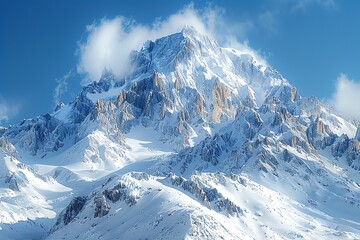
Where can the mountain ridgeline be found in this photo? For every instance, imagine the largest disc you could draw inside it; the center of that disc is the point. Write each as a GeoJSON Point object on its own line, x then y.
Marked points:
{"type": "Point", "coordinates": [197, 141]}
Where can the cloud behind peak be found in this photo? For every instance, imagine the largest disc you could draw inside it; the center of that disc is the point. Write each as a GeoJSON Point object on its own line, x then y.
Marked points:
{"type": "Point", "coordinates": [109, 42]}
{"type": "Point", "coordinates": [346, 98]}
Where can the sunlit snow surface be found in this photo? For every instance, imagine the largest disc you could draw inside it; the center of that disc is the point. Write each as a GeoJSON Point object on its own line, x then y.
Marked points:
{"type": "Point", "coordinates": [273, 166]}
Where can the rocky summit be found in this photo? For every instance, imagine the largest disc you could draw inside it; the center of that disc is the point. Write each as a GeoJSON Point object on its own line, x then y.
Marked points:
{"type": "Point", "coordinates": [197, 141]}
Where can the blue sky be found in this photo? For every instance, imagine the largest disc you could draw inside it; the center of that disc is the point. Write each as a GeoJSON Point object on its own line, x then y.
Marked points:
{"type": "Point", "coordinates": [313, 43]}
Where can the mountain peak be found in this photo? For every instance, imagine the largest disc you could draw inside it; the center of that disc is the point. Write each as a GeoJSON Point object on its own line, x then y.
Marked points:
{"type": "Point", "coordinates": [190, 31]}
{"type": "Point", "coordinates": [234, 142]}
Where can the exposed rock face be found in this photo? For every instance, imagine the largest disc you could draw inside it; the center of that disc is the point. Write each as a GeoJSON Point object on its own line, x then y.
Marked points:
{"type": "Point", "coordinates": [2, 130]}
{"type": "Point", "coordinates": [120, 193]}
{"type": "Point", "coordinates": [82, 106]}
{"type": "Point", "coordinates": [319, 135]}
{"type": "Point", "coordinates": [357, 135]}
{"type": "Point", "coordinates": [102, 208]}
{"type": "Point", "coordinates": [220, 100]}
{"type": "Point", "coordinates": [340, 147]}
{"type": "Point", "coordinates": [13, 182]}
{"type": "Point", "coordinates": [74, 208]}
{"type": "Point", "coordinates": [177, 93]}
{"type": "Point", "coordinates": [71, 211]}
{"type": "Point", "coordinates": [200, 106]}
{"type": "Point", "coordinates": [59, 106]}
{"type": "Point", "coordinates": [210, 196]}
{"type": "Point", "coordinates": [259, 136]}
{"type": "Point", "coordinates": [242, 143]}
{"type": "Point", "coordinates": [45, 134]}
{"type": "Point", "coordinates": [353, 157]}
{"type": "Point", "coordinates": [7, 147]}
{"type": "Point", "coordinates": [211, 151]}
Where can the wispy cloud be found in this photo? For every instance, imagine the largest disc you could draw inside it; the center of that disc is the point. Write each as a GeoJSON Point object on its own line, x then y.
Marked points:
{"type": "Point", "coordinates": [273, 10]}
{"type": "Point", "coordinates": [8, 110]}
{"type": "Point", "coordinates": [110, 41]}
{"type": "Point", "coordinates": [61, 88]}
{"type": "Point", "coordinates": [347, 97]}
{"type": "Point", "coordinates": [303, 5]}
{"type": "Point", "coordinates": [244, 46]}
{"type": "Point", "coordinates": [3, 112]}
{"type": "Point", "coordinates": [268, 20]}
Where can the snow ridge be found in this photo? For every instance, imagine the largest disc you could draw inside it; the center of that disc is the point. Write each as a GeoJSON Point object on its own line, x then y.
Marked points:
{"type": "Point", "coordinates": [196, 142]}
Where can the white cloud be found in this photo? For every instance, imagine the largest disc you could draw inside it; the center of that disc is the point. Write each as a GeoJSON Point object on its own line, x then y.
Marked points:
{"type": "Point", "coordinates": [7, 110]}
{"type": "Point", "coordinates": [244, 47]}
{"type": "Point", "coordinates": [110, 41]}
{"type": "Point", "coordinates": [61, 87]}
{"type": "Point", "coordinates": [346, 98]}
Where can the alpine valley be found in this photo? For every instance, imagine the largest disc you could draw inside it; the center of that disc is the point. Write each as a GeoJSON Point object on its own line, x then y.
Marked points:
{"type": "Point", "coordinates": [197, 141]}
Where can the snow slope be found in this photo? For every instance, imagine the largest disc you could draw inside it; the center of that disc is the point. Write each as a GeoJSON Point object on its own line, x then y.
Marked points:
{"type": "Point", "coordinates": [196, 142]}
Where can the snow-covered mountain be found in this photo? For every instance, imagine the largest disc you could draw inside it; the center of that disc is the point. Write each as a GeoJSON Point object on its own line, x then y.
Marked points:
{"type": "Point", "coordinates": [195, 142]}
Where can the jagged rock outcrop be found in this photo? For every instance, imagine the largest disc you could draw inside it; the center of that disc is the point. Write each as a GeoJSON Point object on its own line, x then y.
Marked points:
{"type": "Point", "coordinates": [102, 208]}
{"type": "Point", "coordinates": [120, 193]}
{"type": "Point", "coordinates": [71, 211]}
{"type": "Point", "coordinates": [251, 158]}
{"type": "Point", "coordinates": [7, 147]}
{"type": "Point", "coordinates": [13, 182]}
{"type": "Point", "coordinates": [210, 196]}
{"type": "Point", "coordinates": [319, 135]}
{"type": "Point", "coordinates": [41, 135]}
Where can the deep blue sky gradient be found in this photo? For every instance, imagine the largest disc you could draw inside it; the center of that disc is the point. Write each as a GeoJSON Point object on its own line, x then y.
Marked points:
{"type": "Point", "coordinates": [39, 39]}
